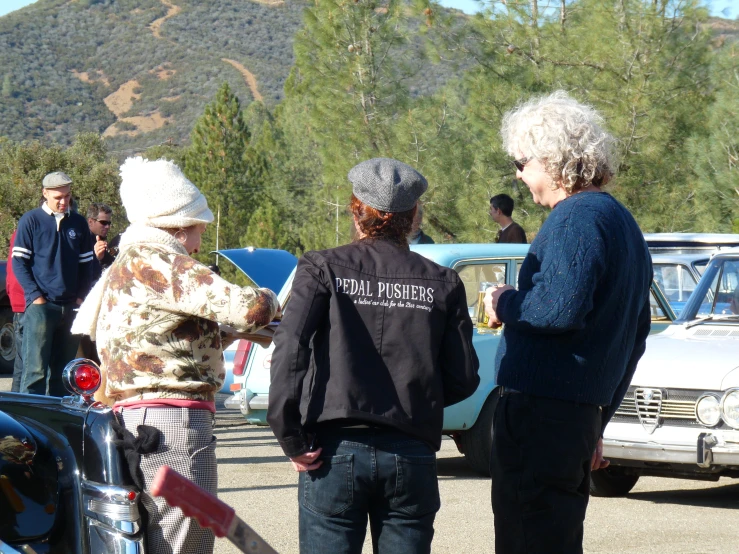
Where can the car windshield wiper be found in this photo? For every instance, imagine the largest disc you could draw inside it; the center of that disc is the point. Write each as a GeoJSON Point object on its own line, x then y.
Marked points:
{"type": "Point", "coordinates": [710, 317]}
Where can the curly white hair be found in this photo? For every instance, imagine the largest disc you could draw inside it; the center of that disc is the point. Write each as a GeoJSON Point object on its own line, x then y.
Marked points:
{"type": "Point", "coordinates": [566, 136]}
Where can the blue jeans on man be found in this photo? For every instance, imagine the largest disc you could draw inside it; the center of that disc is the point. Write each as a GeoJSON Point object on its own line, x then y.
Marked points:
{"type": "Point", "coordinates": [48, 346]}
{"type": "Point", "coordinates": [18, 362]}
{"type": "Point", "coordinates": [369, 472]}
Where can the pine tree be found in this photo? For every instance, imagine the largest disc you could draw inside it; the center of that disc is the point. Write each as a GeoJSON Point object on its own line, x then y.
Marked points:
{"type": "Point", "coordinates": [641, 63]}
{"type": "Point", "coordinates": [715, 154]}
{"type": "Point", "coordinates": [228, 172]}
{"type": "Point", "coordinates": [351, 74]}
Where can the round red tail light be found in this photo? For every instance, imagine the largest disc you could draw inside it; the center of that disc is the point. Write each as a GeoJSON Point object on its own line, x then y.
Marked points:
{"type": "Point", "coordinates": [82, 377]}
{"type": "Point", "coordinates": [87, 378]}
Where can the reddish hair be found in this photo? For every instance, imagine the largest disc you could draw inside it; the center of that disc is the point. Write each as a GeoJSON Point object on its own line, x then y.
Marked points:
{"type": "Point", "coordinates": [376, 224]}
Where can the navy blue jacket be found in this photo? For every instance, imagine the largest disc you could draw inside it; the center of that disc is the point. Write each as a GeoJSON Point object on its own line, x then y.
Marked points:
{"type": "Point", "coordinates": [578, 323]}
{"type": "Point", "coordinates": [50, 262]}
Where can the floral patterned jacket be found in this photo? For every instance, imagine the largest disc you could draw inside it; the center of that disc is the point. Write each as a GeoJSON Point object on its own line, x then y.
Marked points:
{"type": "Point", "coordinates": [157, 328]}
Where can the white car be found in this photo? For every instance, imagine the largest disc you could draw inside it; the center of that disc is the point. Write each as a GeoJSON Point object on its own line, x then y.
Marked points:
{"type": "Point", "coordinates": [680, 416]}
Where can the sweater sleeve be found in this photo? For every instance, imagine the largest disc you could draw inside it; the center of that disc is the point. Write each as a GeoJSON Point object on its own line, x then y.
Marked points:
{"type": "Point", "coordinates": [309, 305]}
{"type": "Point", "coordinates": [570, 263]}
{"type": "Point", "coordinates": [459, 363]}
{"type": "Point", "coordinates": [193, 289]}
{"type": "Point", "coordinates": [23, 259]}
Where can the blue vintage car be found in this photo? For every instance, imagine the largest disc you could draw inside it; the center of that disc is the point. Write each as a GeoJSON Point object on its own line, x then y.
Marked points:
{"type": "Point", "coordinates": [468, 422]}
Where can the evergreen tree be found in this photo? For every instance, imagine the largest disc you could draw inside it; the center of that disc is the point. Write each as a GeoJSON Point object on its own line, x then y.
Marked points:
{"type": "Point", "coordinates": [642, 63]}
{"type": "Point", "coordinates": [23, 166]}
{"type": "Point", "coordinates": [715, 154]}
{"type": "Point", "coordinates": [228, 172]}
{"type": "Point", "coordinates": [351, 71]}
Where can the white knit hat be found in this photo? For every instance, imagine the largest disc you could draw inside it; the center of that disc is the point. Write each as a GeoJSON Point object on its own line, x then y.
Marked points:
{"type": "Point", "coordinates": [157, 194]}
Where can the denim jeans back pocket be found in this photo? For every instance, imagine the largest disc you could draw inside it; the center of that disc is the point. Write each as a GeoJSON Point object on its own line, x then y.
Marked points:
{"type": "Point", "coordinates": [416, 486]}
{"type": "Point", "coordinates": [329, 490]}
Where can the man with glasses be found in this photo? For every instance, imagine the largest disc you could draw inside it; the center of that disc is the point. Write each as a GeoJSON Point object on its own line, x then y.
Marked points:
{"type": "Point", "coordinates": [99, 219]}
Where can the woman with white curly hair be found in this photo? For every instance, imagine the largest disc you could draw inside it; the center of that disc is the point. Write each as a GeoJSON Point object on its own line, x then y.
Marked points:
{"type": "Point", "coordinates": [574, 329]}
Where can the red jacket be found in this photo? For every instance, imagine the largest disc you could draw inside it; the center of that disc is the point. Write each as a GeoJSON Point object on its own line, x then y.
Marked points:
{"type": "Point", "coordinates": [12, 286]}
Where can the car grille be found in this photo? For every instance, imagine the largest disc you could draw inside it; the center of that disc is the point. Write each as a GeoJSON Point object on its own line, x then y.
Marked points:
{"type": "Point", "coordinates": [675, 407]}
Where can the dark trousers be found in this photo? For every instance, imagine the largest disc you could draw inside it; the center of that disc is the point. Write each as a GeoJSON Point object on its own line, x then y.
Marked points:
{"type": "Point", "coordinates": [540, 466]}
{"type": "Point", "coordinates": [382, 475]}
{"type": "Point", "coordinates": [18, 362]}
{"type": "Point", "coordinates": [48, 346]}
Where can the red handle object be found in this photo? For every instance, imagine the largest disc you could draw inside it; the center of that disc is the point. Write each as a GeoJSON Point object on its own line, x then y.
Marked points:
{"type": "Point", "coordinates": [207, 510]}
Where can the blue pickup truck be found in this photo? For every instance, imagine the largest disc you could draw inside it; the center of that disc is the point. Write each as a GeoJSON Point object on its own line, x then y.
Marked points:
{"type": "Point", "coordinates": [469, 422]}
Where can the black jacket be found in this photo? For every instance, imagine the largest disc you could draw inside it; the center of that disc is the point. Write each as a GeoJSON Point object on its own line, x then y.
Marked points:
{"type": "Point", "coordinates": [375, 333]}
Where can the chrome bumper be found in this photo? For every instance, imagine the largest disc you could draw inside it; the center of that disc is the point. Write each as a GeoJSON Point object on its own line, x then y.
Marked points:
{"type": "Point", "coordinates": [105, 539]}
{"type": "Point", "coordinates": [707, 452]}
{"type": "Point", "coordinates": [249, 402]}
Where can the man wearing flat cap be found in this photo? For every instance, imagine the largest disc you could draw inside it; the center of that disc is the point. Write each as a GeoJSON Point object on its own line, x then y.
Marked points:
{"type": "Point", "coordinates": [52, 258]}
{"type": "Point", "coordinates": [376, 342]}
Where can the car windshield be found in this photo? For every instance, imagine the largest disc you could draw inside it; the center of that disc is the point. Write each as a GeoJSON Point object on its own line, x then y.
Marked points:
{"type": "Point", "coordinates": [720, 300]}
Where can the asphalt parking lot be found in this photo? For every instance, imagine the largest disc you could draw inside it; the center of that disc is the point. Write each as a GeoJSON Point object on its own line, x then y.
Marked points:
{"type": "Point", "coordinates": [667, 516]}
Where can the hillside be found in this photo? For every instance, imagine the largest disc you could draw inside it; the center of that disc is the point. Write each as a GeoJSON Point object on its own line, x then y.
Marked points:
{"type": "Point", "coordinates": [140, 71]}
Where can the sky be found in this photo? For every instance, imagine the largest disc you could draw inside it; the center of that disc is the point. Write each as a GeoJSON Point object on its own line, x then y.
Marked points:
{"type": "Point", "coordinates": [721, 8]}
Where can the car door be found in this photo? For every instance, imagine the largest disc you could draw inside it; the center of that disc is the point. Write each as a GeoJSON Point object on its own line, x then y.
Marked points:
{"type": "Point", "coordinates": [473, 272]}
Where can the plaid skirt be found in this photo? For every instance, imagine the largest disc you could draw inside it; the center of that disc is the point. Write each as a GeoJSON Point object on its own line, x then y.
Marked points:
{"type": "Point", "coordinates": [189, 447]}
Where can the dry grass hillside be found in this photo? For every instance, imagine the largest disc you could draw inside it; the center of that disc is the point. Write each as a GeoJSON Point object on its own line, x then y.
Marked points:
{"type": "Point", "coordinates": [141, 71]}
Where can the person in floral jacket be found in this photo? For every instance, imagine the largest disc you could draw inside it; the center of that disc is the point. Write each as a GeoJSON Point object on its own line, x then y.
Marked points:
{"type": "Point", "coordinates": [155, 316]}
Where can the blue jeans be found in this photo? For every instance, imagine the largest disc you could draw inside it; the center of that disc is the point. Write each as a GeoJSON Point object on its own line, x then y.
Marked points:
{"type": "Point", "coordinates": [18, 362]}
{"type": "Point", "coordinates": [381, 474]}
{"type": "Point", "coordinates": [48, 346]}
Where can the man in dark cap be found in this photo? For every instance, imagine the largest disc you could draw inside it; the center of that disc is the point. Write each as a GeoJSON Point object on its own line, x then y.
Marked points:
{"type": "Point", "coordinates": [376, 342]}
{"type": "Point", "coordinates": [52, 258]}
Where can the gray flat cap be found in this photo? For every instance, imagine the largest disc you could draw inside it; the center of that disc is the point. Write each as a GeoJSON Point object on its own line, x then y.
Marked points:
{"type": "Point", "coordinates": [56, 180]}
{"type": "Point", "coordinates": [387, 185]}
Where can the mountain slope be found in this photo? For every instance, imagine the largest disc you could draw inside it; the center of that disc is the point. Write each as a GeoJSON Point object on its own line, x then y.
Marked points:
{"type": "Point", "coordinates": [141, 71]}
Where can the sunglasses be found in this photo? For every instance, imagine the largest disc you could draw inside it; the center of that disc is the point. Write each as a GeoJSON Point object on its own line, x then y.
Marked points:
{"type": "Point", "coordinates": [104, 222]}
{"type": "Point", "coordinates": [520, 164]}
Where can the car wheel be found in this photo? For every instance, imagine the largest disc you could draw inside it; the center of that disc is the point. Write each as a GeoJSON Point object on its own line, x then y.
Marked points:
{"type": "Point", "coordinates": [478, 441]}
{"type": "Point", "coordinates": [611, 482]}
{"type": "Point", "coordinates": [7, 341]}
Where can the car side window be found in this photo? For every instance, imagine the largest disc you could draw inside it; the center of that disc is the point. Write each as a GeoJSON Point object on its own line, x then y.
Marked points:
{"type": "Point", "coordinates": [658, 314]}
{"type": "Point", "coordinates": [676, 281]}
{"type": "Point", "coordinates": [474, 274]}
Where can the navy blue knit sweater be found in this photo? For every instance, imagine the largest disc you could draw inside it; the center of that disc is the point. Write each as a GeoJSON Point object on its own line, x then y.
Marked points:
{"type": "Point", "coordinates": [52, 262]}
{"type": "Point", "coordinates": [578, 323]}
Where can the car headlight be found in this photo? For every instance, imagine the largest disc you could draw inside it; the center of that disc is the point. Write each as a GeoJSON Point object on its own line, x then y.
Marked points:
{"type": "Point", "coordinates": [708, 410]}
{"type": "Point", "coordinates": [730, 408]}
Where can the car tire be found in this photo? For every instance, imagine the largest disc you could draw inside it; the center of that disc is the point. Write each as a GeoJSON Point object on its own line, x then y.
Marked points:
{"type": "Point", "coordinates": [611, 482]}
{"type": "Point", "coordinates": [7, 341]}
{"type": "Point", "coordinates": [478, 441]}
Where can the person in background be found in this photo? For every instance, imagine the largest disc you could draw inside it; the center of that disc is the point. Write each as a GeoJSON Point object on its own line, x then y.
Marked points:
{"type": "Point", "coordinates": [377, 341]}
{"type": "Point", "coordinates": [417, 236]}
{"type": "Point", "coordinates": [501, 210]}
{"type": "Point", "coordinates": [99, 219]}
{"type": "Point", "coordinates": [18, 305]}
{"type": "Point", "coordinates": [52, 258]}
{"type": "Point", "coordinates": [155, 318]}
{"type": "Point", "coordinates": [574, 330]}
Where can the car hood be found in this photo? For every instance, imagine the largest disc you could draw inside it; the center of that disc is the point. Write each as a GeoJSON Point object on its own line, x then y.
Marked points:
{"type": "Point", "coordinates": [266, 267]}
{"type": "Point", "coordinates": [700, 357]}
